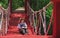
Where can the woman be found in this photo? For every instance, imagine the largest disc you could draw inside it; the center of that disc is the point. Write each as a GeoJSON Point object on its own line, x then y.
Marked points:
{"type": "Point", "coordinates": [22, 26]}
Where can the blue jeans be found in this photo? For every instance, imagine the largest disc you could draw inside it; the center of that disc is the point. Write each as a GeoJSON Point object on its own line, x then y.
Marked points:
{"type": "Point", "coordinates": [23, 30]}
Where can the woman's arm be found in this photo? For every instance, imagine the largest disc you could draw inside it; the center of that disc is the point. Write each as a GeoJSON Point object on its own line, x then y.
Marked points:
{"type": "Point", "coordinates": [18, 26]}
{"type": "Point", "coordinates": [25, 25]}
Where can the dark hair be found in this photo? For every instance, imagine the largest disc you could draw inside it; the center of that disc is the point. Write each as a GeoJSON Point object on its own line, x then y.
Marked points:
{"type": "Point", "coordinates": [20, 19]}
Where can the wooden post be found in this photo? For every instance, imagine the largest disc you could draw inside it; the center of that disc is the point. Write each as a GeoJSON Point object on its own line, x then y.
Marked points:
{"type": "Point", "coordinates": [44, 16]}
{"type": "Point", "coordinates": [10, 5]}
{"type": "Point", "coordinates": [1, 12]}
{"type": "Point", "coordinates": [26, 6]}
{"type": "Point", "coordinates": [56, 15]}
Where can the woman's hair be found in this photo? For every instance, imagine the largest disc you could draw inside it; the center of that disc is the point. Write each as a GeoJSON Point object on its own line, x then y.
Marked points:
{"type": "Point", "coordinates": [20, 19]}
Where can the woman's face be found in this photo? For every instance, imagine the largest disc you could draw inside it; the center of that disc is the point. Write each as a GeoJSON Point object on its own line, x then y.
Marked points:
{"type": "Point", "coordinates": [22, 21]}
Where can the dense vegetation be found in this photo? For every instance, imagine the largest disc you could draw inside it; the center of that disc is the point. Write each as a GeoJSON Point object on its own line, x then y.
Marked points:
{"type": "Point", "coordinates": [38, 4]}
{"type": "Point", "coordinates": [4, 3]}
{"type": "Point", "coordinates": [48, 15]}
{"type": "Point", "coordinates": [17, 3]}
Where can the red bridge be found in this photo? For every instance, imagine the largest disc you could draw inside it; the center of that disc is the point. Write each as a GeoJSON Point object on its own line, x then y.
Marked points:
{"type": "Point", "coordinates": [29, 18]}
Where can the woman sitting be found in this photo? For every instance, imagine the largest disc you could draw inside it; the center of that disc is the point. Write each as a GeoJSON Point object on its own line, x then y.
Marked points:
{"type": "Point", "coordinates": [22, 26]}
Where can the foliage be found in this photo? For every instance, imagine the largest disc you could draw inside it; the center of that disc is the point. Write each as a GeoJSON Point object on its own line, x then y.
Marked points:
{"type": "Point", "coordinates": [17, 3]}
{"type": "Point", "coordinates": [38, 4]}
{"type": "Point", "coordinates": [4, 3]}
{"type": "Point", "coordinates": [48, 15]}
